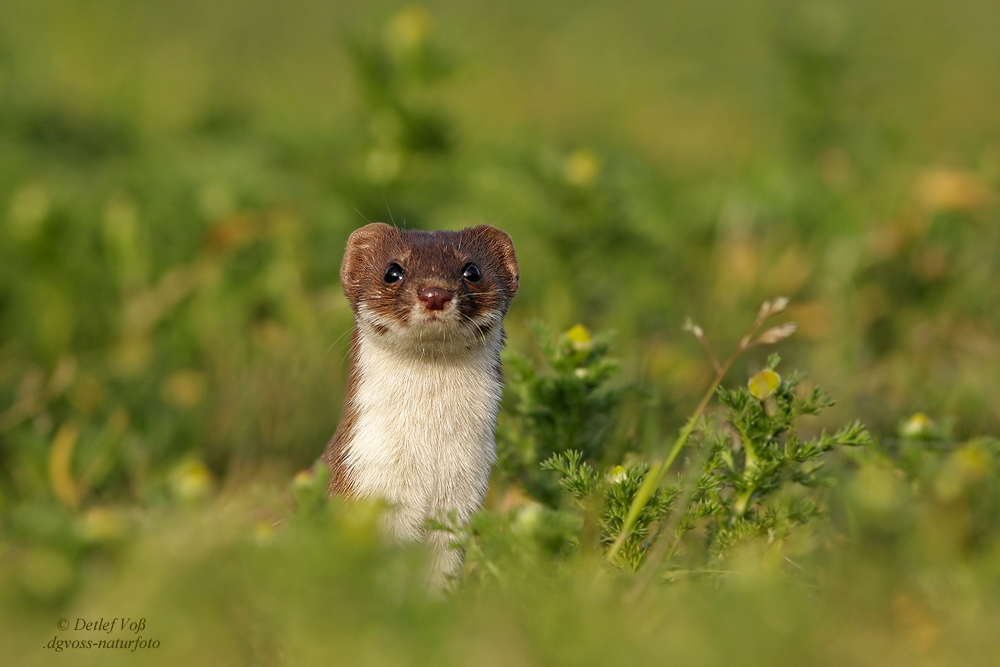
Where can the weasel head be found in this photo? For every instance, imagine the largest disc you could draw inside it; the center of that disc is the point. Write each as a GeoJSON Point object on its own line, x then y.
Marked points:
{"type": "Point", "coordinates": [430, 292]}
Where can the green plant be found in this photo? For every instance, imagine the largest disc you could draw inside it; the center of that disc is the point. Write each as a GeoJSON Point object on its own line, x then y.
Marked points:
{"type": "Point", "coordinates": [750, 476]}
{"type": "Point", "coordinates": [568, 404]}
{"type": "Point", "coordinates": [750, 339]}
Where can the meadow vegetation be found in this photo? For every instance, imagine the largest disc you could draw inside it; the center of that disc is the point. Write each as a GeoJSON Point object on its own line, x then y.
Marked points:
{"type": "Point", "coordinates": [177, 184]}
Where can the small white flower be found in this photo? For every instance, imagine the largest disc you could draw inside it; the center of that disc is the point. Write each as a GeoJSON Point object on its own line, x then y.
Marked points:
{"type": "Point", "coordinates": [617, 475]}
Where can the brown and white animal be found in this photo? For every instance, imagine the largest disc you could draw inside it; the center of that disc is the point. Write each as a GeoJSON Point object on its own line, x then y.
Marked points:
{"type": "Point", "coordinates": [425, 379]}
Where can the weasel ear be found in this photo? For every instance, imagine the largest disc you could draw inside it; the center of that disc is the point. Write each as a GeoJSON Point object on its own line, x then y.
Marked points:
{"type": "Point", "coordinates": [361, 246]}
{"type": "Point", "coordinates": [499, 246]}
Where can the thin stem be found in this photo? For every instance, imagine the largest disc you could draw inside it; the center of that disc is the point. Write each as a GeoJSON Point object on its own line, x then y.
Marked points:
{"type": "Point", "coordinates": [711, 355]}
{"type": "Point", "coordinates": [659, 470]}
{"type": "Point", "coordinates": [662, 548]}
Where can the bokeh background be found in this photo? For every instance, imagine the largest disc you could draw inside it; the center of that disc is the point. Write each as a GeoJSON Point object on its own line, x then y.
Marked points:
{"type": "Point", "coordinates": [178, 180]}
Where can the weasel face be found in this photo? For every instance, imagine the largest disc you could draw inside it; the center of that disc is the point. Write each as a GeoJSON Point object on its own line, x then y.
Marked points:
{"type": "Point", "coordinates": [429, 291]}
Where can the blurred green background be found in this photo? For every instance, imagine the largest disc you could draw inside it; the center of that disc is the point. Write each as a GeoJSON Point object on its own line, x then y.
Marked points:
{"type": "Point", "coordinates": [178, 180]}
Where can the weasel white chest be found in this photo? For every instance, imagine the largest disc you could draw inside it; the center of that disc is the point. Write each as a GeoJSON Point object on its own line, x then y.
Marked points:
{"type": "Point", "coordinates": [424, 437]}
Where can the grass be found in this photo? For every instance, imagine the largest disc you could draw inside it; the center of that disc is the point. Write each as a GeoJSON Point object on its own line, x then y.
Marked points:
{"type": "Point", "coordinates": [177, 183]}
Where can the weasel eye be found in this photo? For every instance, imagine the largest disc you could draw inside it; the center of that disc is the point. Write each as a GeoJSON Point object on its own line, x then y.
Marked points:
{"type": "Point", "coordinates": [393, 274]}
{"type": "Point", "coordinates": [471, 273]}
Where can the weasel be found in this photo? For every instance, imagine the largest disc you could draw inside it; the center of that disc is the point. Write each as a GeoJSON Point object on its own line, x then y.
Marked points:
{"type": "Point", "coordinates": [425, 380]}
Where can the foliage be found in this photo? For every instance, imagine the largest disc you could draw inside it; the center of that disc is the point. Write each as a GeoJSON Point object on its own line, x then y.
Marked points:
{"type": "Point", "coordinates": [178, 180]}
{"type": "Point", "coordinates": [747, 478]}
{"type": "Point", "coordinates": [757, 460]}
{"type": "Point", "coordinates": [566, 405]}
{"type": "Point", "coordinates": [613, 494]}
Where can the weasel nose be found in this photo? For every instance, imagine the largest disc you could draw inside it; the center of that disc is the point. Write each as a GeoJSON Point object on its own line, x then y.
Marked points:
{"type": "Point", "coordinates": [434, 298]}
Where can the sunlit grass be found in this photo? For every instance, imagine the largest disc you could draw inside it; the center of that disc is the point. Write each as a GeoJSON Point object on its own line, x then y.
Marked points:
{"type": "Point", "coordinates": [177, 183]}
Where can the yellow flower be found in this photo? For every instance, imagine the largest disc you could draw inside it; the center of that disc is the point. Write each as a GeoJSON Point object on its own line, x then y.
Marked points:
{"type": "Point", "coordinates": [582, 167]}
{"type": "Point", "coordinates": [965, 469]}
{"type": "Point", "coordinates": [408, 28]}
{"type": "Point", "coordinates": [190, 481]}
{"type": "Point", "coordinates": [303, 479]}
{"type": "Point", "coordinates": [528, 517]}
{"type": "Point", "coordinates": [102, 525]}
{"type": "Point", "coordinates": [951, 190]}
{"type": "Point", "coordinates": [918, 425]}
{"type": "Point", "coordinates": [263, 533]}
{"type": "Point", "coordinates": [580, 338]}
{"type": "Point", "coordinates": [764, 384]}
